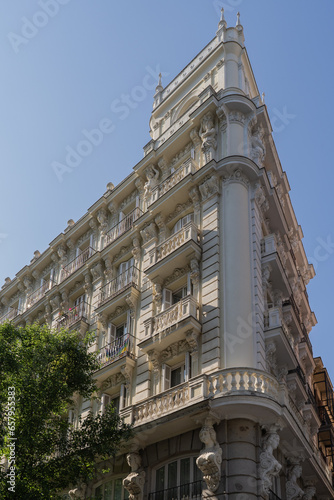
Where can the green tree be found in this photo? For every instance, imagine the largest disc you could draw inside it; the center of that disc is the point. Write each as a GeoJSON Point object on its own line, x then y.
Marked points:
{"type": "Point", "coordinates": [47, 368]}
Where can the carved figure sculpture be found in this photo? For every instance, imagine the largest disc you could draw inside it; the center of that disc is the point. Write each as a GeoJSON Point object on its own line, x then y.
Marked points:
{"type": "Point", "coordinates": [293, 491]}
{"type": "Point", "coordinates": [269, 466]}
{"type": "Point", "coordinates": [134, 482]}
{"type": "Point", "coordinates": [152, 176]}
{"type": "Point", "coordinates": [207, 132]}
{"type": "Point", "coordinates": [209, 462]}
{"type": "Point", "coordinates": [258, 149]}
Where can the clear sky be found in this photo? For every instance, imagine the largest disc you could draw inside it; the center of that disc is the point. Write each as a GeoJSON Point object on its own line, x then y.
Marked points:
{"type": "Point", "coordinates": [66, 75]}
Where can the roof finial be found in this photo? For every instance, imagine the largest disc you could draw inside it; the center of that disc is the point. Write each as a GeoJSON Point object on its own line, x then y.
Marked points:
{"type": "Point", "coordinates": [238, 19]}
{"type": "Point", "coordinates": [222, 22]}
{"type": "Point", "coordinates": [159, 87]}
{"type": "Point", "coordinates": [263, 95]}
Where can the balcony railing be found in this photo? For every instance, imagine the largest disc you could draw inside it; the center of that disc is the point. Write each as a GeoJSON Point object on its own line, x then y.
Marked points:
{"type": "Point", "coordinates": [174, 314]}
{"type": "Point", "coordinates": [9, 315]}
{"type": "Point", "coordinates": [122, 227]}
{"type": "Point", "coordinates": [38, 294]}
{"type": "Point", "coordinates": [77, 313]}
{"type": "Point", "coordinates": [129, 278]}
{"type": "Point", "coordinates": [76, 263]}
{"type": "Point", "coordinates": [187, 233]}
{"type": "Point", "coordinates": [190, 491]}
{"type": "Point", "coordinates": [115, 350]}
{"type": "Point", "coordinates": [227, 382]}
{"type": "Point", "coordinates": [188, 167]}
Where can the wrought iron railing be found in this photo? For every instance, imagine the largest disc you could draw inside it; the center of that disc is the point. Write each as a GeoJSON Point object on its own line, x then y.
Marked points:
{"type": "Point", "coordinates": [115, 350]}
{"type": "Point", "coordinates": [129, 278]}
{"type": "Point", "coordinates": [122, 227]}
{"type": "Point", "coordinates": [76, 313]}
{"type": "Point", "coordinates": [190, 491]}
{"type": "Point", "coordinates": [38, 294]}
{"type": "Point", "coordinates": [76, 263]}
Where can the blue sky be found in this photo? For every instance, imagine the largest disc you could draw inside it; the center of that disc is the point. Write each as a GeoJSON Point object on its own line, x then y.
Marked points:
{"type": "Point", "coordinates": [64, 77]}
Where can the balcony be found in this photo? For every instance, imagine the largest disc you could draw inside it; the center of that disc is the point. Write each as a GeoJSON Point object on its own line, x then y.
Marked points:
{"type": "Point", "coordinates": [10, 315]}
{"type": "Point", "coordinates": [276, 330]}
{"type": "Point", "coordinates": [128, 279]}
{"type": "Point", "coordinates": [74, 317]}
{"type": "Point", "coordinates": [122, 227]}
{"type": "Point", "coordinates": [185, 240]}
{"type": "Point", "coordinates": [171, 324]}
{"type": "Point", "coordinates": [116, 350]}
{"type": "Point", "coordinates": [34, 297]}
{"type": "Point", "coordinates": [225, 383]}
{"type": "Point", "coordinates": [188, 167]}
{"type": "Point", "coordinates": [273, 253]}
{"type": "Point", "coordinates": [190, 491]}
{"type": "Point", "coordinates": [76, 263]}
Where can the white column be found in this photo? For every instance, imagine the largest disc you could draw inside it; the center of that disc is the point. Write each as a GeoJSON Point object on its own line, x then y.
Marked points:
{"type": "Point", "coordinates": [235, 241]}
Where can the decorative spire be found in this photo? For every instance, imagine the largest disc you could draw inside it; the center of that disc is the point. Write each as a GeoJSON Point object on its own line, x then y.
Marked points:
{"type": "Point", "coordinates": [159, 87]}
{"type": "Point", "coordinates": [238, 19]}
{"type": "Point", "coordinates": [222, 22]}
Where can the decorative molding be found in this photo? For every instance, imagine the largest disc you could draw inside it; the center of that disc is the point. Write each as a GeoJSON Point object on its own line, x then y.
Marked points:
{"type": "Point", "coordinates": [149, 232]}
{"type": "Point", "coordinates": [77, 285]}
{"type": "Point", "coordinates": [152, 175]}
{"type": "Point", "coordinates": [180, 155]}
{"type": "Point", "coordinates": [177, 273]}
{"type": "Point", "coordinates": [236, 176]}
{"type": "Point", "coordinates": [135, 481]}
{"type": "Point", "coordinates": [208, 135]}
{"type": "Point", "coordinates": [123, 251]}
{"type": "Point", "coordinates": [195, 138]}
{"type": "Point", "coordinates": [180, 208]}
{"type": "Point", "coordinates": [118, 311]}
{"type": "Point", "coordinates": [195, 271]}
{"type": "Point", "coordinates": [260, 198]}
{"type": "Point", "coordinates": [222, 117]}
{"type": "Point", "coordinates": [258, 149]}
{"type": "Point", "coordinates": [210, 460]}
{"type": "Point", "coordinates": [113, 381]}
{"type": "Point", "coordinates": [154, 358]}
{"type": "Point", "coordinates": [173, 350]}
{"type": "Point", "coordinates": [192, 340]}
{"type": "Point", "coordinates": [269, 466]}
{"type": "Point", "coordinates": [129, 199]}
{"type": "Point", "coordinates": [102, 218]}
{"type": "Point", "coordinates": [209, 187]}
{"type": "Point", "coordinates": [237, 117]}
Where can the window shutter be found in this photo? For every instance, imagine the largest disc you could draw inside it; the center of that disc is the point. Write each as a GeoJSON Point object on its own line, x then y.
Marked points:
{"type": "Point", "coordinates": [111, 332]}
{"type": "Point", "coordinates": [187, 365]}
{"type": "Point", "coordinates": [167, 299]}
{"type": "Point", "coordinates": [105, 401]}
{"type": "Point", "coordinates": [166, 376]}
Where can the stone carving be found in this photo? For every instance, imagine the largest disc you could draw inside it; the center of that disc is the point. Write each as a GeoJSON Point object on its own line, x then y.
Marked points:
{"type": "Point", "coordinates": [162, 164]}
{"type": "Point", "coordinates": [131, 301]}
{"type": "Point", "coordinates": [282, 373]}
{"type": "Point", "coordinates": [210, 460]}
{"type": "Point", "coordinates": [55, 302]}
{"type": "Point", "coordinates": [126, 371]}
{"type": "Point", "coordinates": [36, 274]}
{"type": "Point", "coordinates": [192, 340]}
{"type": "Point", "coordinates": [118, 311]}
{"type": "Point", "coordinates": [271, 357]}
{"type": "Point", "coordinates": [134, 482]}
{"type": "Point", "coordinates": [27, 281]}
{"type": "Point", "coordinates": [77, 285]}
{"type": "Point", "coordinates": [128, 199]}
{"type": "Point", "coordinates": [280, 248]}
{"type": "Point", "coordinates": [109, 271]}
{"type": "Point", "coordinates": [79, 492]}
{"type": "Point", "coordinates": [236, 176]}
{"type": "Point", "coordinates": [61, 251]}
{"type": "Point", "coordinates": [195, 197]}
{"type": "Point", "coordinates": [266, 271]}
{"type": "Point", "coordinates": [237, 117]}
{"type": "Point", "coordinates": [280, 194]}
{"type": "Point", "coordinates": [160, 222]}
{"type": "Point", "coordinates": [123, 251]}
{"type": "Point", "coordinates": [149, 232]}
{"type": "Point", "coordinates": [293, 491]}
{"type": "Point", "coordinates": [152, 176]}
{"type": "Point", "coordinates": [177, 273]}
{"type": "Point", "coordinates": [103, 320]}
{"type": "Point", "coordinates": [102, 218]}
{"type": "Point", "coordinates": [258, 149]}
{"type": "Point", "coordinates": [112, 207]}
{"type": "Point", "coordinates": [222, 118]}
{"type": "Point", "coordinates": [173, 350]}
{"type": "Point", "coordinates": [139, 183]}
{"type": "Point", "coordinates": [154, 357]}
{"type": "Point", "coordinates": [93, 224]}
{"type": "Point", "coordinates": [178, 157]}
{"type": "Point", "coordinates": [97, 271]}
{"type": "Point", "coordinates": [260, 198]}
{"type": "Point", "coordinates": [194, 274]}
{"type": "Point", "coordinates": [209, 187]}
{"type": "Point", "coordinates": [157, 296]}
{"type": "Point", "coordinates": [136, 250]}
{"type": "Point", "coordinates": [88, 283]}
{"type": "Point", "coordinates": [269, 466]}
{"type": "Point", "coordinates": [180, 208]}
{"type": "Point", "coordinates": [112, 381]}
{"type": "Point", "coordinates": [195, 138]}
{"type": "Point", "coordinates": [208, 135]}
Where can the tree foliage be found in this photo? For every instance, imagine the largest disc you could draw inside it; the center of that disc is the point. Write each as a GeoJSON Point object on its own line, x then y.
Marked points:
{"type": "Point", "coordinates": [47, 368]}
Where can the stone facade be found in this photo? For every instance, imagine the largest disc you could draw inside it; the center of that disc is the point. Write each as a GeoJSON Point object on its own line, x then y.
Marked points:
{"type": "Point", "coordinates": [193, 275]}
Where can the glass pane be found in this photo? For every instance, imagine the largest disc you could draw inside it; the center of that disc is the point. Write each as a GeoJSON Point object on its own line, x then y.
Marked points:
{"type": "Point", "coordinates": [108, 491]}
{"type": "Point", "coordinates": [184, 477]}
{"type": "Point", "coordinates": [98, 493]}
{"type": "Point", "coordinates": [118, 489]}
{"type": "Point", "coordinates": [172, 481]}
{"type": "Point", "coordinates": [176, 376]}
{"type": "Point", "coordinates": [160, 479]}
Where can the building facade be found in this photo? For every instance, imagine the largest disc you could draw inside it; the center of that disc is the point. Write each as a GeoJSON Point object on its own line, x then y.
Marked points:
{"type": "Point", "coordinates": [193, 275]}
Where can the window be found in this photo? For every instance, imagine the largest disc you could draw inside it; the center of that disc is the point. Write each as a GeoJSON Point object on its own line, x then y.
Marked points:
{"type": "Point", "coordinates": [117, 400]}
{"type": "Point", "coordinates": [169, 297]}
{"type": "Point", "coordinates": [175, 375]}
{"type": "Point", "coordinates": [178, 479]}
{"type": "Point", "coordinates": [112, 490]}
{"type": "Point", "coordinates": [182, 222]}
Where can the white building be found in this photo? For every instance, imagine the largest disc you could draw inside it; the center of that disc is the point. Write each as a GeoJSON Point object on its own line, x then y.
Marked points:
{"type": "Point", "coordinates": [193, 274]}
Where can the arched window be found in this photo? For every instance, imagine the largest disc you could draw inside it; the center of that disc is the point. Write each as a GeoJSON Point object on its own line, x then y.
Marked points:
{"type": "Point", "coordinates": [178, 479]}
{"type": "Point", "coordinates": [182, 222]}
{"type": "Point", "coordinates": [111, 490]}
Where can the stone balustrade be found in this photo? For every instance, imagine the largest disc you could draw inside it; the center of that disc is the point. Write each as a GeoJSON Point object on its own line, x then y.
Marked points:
{"type": "Point", "coordinates": [176, 313]}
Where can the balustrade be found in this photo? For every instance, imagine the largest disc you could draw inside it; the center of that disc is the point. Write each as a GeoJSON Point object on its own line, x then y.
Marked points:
{"type": "Point", "coordinates": [78, 313]}
{"type": "Point", "coordinates": [127, 279]}
{"type": "Point", "coordinates": [188, 167]}
{"type": "Point", "coordinates": [38, 294]}
{"type": "Point", "coordinates": [174, 314]}
{"type": "Point", "coordinates": [122, 227]}
{"type": "Point", "coordinates": [76, 263]}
